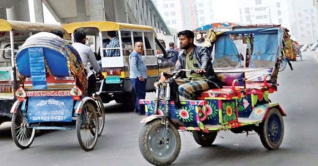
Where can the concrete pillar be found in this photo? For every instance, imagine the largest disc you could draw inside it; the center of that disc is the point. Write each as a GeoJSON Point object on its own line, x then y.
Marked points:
{"type": "Point", "coordinates": [120, 11]}
{"type": "Point", "coordinates": [38, 11]}
{"type": "Point", "coordinates": [96, 10]}
{"type": "Point", "coordinates": [3, 13]}
{"type": "Point", "coordinates": [81, 10]}
{"type": "Point", "coordinates": [20, 11]}
{"type": "Point", "coordinates": [109, 10]}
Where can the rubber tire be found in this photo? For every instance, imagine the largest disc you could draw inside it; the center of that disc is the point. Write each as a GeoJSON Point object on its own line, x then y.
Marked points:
{"type": "Point", "coordinates": [101, 127]}
{"type": "Point", "coordinates": [204, 139]}
{"type": "Point", "coordinates": [78, 127]}
{"type": "Point", "coordinates": [284, 64]}
{"type": "Point", "coordinates": [13, 132]}
{"type": "Point", "coordinates": [143, 144]}
{"type": "Point", "coordinates": [263, 132]}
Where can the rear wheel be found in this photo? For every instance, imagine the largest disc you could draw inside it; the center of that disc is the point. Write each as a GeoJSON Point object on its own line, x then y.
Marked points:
{"type": "Point", "coordinates": [158, 145]}
{"type": "Point", "coordinates": [101, 116]}
{"type": "Point", "coordinates": [22, 136]}
{"type": "Point", "coordinates": [87, 127]}
{"type": "Point", "coordinates": [272, 130]}
{"type": "Point", "coordinates": [204, 139]}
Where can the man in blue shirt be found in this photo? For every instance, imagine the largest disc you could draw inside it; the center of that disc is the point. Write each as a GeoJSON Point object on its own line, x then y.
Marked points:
{"type": "Point", "coordinates": [172, 54]}
{"type": "Point", "coordinates": [138, 76]}
{"type": "Point", "coordinates": [114, 43]}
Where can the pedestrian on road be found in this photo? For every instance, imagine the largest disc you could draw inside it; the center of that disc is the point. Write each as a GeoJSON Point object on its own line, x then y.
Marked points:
{"type": "Point", "coordinates": [138, 76]}
{"type": "Point", "coordinates": [172, 53]}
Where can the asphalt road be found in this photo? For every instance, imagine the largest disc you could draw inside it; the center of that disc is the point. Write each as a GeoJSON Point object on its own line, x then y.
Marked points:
{"type": "Point", "coordinates": [118, 146]}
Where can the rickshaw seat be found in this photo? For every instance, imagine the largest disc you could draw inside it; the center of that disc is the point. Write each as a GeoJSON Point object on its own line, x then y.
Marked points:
{"type": "Point", "coordinates": [50, 64]}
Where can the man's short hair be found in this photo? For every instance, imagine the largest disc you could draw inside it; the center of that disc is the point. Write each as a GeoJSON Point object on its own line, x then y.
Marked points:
{"type": "Point", "coordinates": [58, 33]}
{"type": "Point", "coordinates": [187, 33]}
{"type": "Point", "coordinates": [79, 36]}
{"type": "Point", "coordinates": [171, 44]}
{"type": "Point", "coordinates": [111, 34]}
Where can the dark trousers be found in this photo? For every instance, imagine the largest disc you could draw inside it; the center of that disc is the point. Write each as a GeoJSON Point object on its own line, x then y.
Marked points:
{"type": "Point", "coordinates": [140, 91]}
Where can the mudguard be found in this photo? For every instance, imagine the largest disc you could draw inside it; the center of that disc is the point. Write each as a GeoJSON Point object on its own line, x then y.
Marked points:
{"type": "Point", "coordinates": [15, 106]}
{"type": "Point", "coordinates": [260, 112]}
{"type": "Point", "coordinates": [78, 110]}
{"type": "Point", "coordinates": [150, 118]}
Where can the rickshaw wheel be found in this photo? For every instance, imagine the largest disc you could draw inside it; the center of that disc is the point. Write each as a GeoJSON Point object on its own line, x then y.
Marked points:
{"type": "Point", "coordinates": [22, 136]}
{"type": "Point", "coordinates": [204, 139]}
{"type": "Point", "coordinates": [87, 127]}
{"type": "Point", "coordinates": [272, 130]}
{"type": "Point", "coordinates": [101, 116]}
{"type": "Point", "coordinates": [282, 65]}
{"type": "Point", "coordinates": [157, 147]}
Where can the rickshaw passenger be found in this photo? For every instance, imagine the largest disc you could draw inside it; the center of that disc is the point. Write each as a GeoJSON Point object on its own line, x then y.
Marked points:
{"type": "Point", "coordinates": [198, 59]}
{"type": "Point", "coordinates": [114, 43]}
{"type": "Point", "coordinates": [88, 58]}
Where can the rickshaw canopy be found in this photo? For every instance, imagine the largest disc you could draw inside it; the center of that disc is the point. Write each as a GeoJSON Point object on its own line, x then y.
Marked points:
{"type": "Point", "coordinates": [104, 26]}
{"type": "Point", "coordinates": [6, 26]}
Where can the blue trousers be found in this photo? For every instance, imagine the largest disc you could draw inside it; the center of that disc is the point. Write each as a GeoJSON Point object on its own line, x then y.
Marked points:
{"type": "Point", "coordinates": [140, 91]}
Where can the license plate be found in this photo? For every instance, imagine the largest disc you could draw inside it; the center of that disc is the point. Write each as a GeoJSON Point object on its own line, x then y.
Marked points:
{"type": "Point", "coordinates": [112, 80]}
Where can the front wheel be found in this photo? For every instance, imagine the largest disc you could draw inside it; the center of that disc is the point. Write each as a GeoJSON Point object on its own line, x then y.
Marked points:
{"type": "Point", "coordinates": [87, 127]}
{"type": "Point", "coordinates": [204, 139]}
{"type": "Point", "coordinates": [22, 136]}
{"type": "Point", "coordinates": [282, 65]}
{"type": "Point", "coordinates": [272, 130]}
{"type": "Point", "coordinates": [158, 145]}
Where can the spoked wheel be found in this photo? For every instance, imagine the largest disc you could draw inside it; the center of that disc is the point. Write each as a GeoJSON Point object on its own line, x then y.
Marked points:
{"type": "Point", "coordinates": [204, 139]}
{"type": "Point", "coordinates": [22, 136]}
{"type": "Point", "coordinates": [158, 145]}
{"type": "Point", "coordinates": [87, 127]}
{"type": "Point", "coordinates": [101, 116]}
{"type": "Point", "coordinates": [272, 130]}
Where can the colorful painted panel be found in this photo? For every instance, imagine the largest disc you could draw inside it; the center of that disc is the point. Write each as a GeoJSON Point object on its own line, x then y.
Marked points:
{"type": "Point", "coordinates": [258, 112]}
{"type": "Point", "coordinates": [228, 78]}
{"type": "Point", "coordinates": [244, 106]}
{"type": "Point", "coordinates": [228, 111]}
{"type": "Point", "coordinates": [213, 112]}
{"type": "Point", "coordinates": [259, 99]}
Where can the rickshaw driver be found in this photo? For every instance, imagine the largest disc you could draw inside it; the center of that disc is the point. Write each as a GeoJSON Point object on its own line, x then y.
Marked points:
{"type": "Point", "coordinates": [88, 58]}
{"type": "Point", "coordinates": [198, 59]}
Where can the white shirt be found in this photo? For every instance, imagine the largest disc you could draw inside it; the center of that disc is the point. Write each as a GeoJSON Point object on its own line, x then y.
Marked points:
{"type": "Point", "coordinates": [87, 56]}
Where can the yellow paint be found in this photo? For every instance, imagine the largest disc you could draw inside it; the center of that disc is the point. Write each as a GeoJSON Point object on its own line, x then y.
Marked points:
{"type": "Point", "coordinates": [103, 26]}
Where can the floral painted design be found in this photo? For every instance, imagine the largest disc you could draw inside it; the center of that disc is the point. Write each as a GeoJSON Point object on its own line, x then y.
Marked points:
{"type": "Point", "coordinates": [212, 110]}
{"type": "Point", "coordinates": [228, 111]}
{"type": "Point", "coordinates": [185, 115]}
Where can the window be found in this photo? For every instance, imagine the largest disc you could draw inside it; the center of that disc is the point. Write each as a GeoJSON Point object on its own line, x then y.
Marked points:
{"type": "Point", "coordinates": [202, 18]}
{"type": "Point", "coordinates": [174, 22]}
{"type": "Point", "coordinates": [173, 13]}
{"type": "Point", "coordinates": [166, 14]}
{"type": "Point", "coordinates": [247, 10]}
{"type": "Point", "coordinates": [258, 2]}
{"type": "Point", "coordinates": [302, 35]}
{"type": "Point", "coordinates": [299, 14]}
{"type": "Point", "coordinates": [265, 17]}
{"type": "Point", "coordinates": [259, 17]}
{"type": "Point", "coordinates": [300, 21]}
{"type": "Point", "coordinates": [241, 19]}
{"type": "Point", "coordinates": [201, 11]}
{"type": "Point", "coordinates": [278, 4]}
{"type": "Point", "coordinates": [172, 5]}
{"type": "Point", "coordinates": [307, 18]}
{"type": "Point", "coordinates": [240, 11]}
{"type": "Point", "coordinates": [306, 11]}
{"type": "Point", "coordinates": [301, 28]}
{"type": "Point", "coordinates": [200, 4]}
{"type": "Point", "coordinates": [168, 22]}
{"type": "Point", "coordinates": [279, 12]}
{"type": "Point", "coordinates": [280, 21]}
{"type": "Point", "coordinates": [258, 9]}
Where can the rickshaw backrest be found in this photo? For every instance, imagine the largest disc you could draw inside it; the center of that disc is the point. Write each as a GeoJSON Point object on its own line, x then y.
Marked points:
{"type": "Point", "coordinates": [47, 61]}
